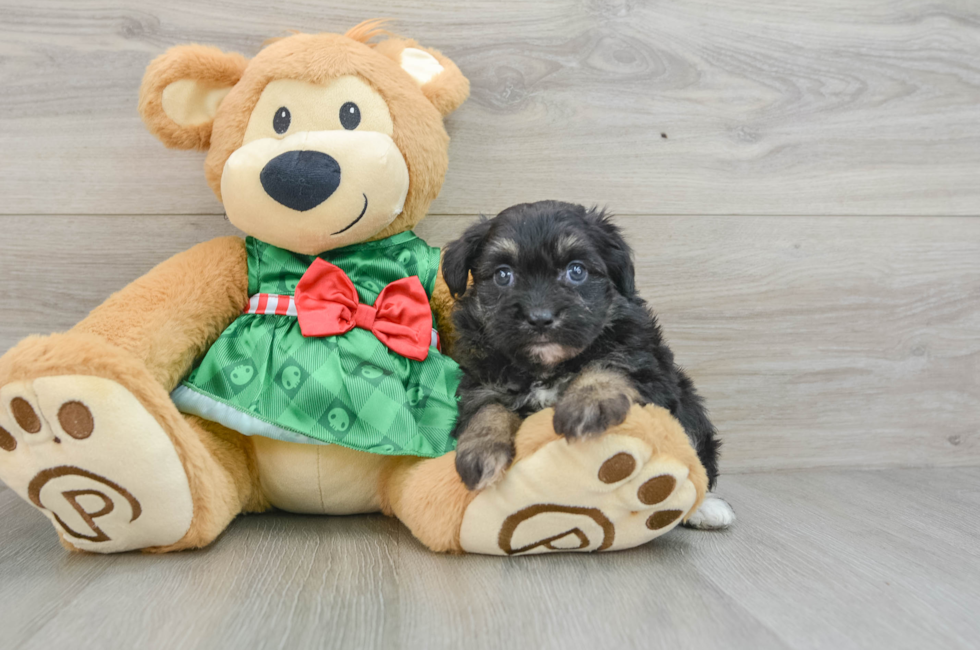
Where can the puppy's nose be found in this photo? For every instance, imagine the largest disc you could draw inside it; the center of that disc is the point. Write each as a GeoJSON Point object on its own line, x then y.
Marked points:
{"type": "Point", "coordinates": [301, 180]}
{"type": "Point", "coordinates": [540, 317]}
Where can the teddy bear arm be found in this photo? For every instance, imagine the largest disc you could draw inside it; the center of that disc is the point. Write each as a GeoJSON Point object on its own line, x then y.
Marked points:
{"type": "Point", "coordinates": [171, 315]}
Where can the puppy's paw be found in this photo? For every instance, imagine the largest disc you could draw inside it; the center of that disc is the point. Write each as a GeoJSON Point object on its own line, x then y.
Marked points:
{"type": "Point", "coordinates": [713, 514]}
{"type": "Point", "coordinates": [578, 418]}
{"type": "Point", "coordinates": [480, 466]}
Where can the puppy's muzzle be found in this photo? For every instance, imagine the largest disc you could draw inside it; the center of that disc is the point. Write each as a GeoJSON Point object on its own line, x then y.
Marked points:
{"type": "Point", "coordinates": [540, 318]}
{"type": "Point", "coordinates": [301, 180]}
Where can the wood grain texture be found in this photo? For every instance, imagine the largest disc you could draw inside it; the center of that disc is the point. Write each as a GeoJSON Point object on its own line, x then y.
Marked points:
{"type": "Point", "coordinates": [818, 559]}
{"type": "Point", "coordinates": [816, 341]}
{"type": "Point", "coordinates": [794, 107]}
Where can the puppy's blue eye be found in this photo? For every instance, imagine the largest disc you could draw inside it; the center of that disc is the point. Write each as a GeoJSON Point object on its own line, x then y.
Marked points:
{"type": "Point", "coordinates": [503, 276]}
{"type": "Point", "coordinates": [576, 273]}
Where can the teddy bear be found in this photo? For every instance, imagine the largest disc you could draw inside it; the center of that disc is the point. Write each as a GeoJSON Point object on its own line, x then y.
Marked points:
{"type": "Point", "coordinates": [306, 367]}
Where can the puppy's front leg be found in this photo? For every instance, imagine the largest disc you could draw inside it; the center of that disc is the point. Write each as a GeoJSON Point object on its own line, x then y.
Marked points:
{"type": "Point", "coordinates": [595, 400]}
{"type": "Point", "coordinates": [486, 446]}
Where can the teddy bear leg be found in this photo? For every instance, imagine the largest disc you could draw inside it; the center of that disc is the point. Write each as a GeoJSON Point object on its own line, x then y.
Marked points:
{"type": "Point", "coordinates": [89, 434]}
{"type": "Point", "coordinates": [224, 483]}
{"type": "Point", "coordinates": [429, 498]}
{"type": "Point", "coordinates": [91, 439]}
{"type": "Point", "coordinates": [624, 488]}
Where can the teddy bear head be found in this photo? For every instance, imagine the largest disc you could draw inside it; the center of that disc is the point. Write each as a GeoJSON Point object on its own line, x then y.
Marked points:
{"type": "Point", "coordinates": [320, 140]}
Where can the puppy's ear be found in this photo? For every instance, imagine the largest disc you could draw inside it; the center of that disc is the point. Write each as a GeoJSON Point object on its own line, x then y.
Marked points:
{"type": "Point", "coordinates": [615, 252]}
{"type": "Point", "coordinates": [461, 256]}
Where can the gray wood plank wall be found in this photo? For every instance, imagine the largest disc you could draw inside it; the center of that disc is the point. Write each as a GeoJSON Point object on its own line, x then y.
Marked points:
{"type": "Point", "coordinates": [800, 181]}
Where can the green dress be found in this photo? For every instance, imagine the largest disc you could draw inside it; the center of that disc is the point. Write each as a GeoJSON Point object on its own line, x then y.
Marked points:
{"type": "Point", "coordinates": [263, 377]}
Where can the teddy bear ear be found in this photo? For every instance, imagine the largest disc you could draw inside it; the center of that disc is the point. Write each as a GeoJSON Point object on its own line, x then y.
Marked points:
{"type": "Point", "coordinates": [181, 91]}
{"type": "Point", "coordinates": [438, 77]}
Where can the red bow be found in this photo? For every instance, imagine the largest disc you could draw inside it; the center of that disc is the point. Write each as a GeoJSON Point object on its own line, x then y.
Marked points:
{"type": "Point", "coordinates": [327, 305]}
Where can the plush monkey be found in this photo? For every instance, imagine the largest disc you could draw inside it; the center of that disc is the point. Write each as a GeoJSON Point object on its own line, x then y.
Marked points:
{"type": "Point", "coordinates": [300, 368]}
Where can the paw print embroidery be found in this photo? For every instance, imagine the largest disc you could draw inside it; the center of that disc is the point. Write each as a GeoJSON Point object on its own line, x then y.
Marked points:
{"type": "Point", "coordinates": [596, 494]}
{"type": "Point", "coordinates": [87, 454]}
{"type": "Point", "coordinates": [599, 532]}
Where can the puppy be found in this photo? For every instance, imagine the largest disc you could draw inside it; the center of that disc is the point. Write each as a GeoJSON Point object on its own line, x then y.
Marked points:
{"type": "Point", "coordinates": [553, 319]}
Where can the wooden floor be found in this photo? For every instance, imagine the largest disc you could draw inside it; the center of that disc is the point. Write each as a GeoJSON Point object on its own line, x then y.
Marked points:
{"type": "Point", "coordinates": [818, 559]}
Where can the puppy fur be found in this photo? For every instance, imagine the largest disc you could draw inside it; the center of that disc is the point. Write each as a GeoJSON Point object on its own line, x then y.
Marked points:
{"type": "Point", "coordinates": [552, 319]}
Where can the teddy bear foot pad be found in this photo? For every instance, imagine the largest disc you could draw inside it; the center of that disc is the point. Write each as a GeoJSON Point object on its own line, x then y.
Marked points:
{"type": "Point", "coordinates": [608, 493]}
{"type": "Point", "coordinates": [86, 453]}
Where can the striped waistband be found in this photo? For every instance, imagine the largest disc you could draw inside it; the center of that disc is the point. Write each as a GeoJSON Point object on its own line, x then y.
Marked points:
{"type": "Point", "coordinates": [271, 304]}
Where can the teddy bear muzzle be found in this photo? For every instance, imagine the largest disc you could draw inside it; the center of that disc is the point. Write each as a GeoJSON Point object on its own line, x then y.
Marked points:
{"type": "Point", "coordinates": [315, 190]}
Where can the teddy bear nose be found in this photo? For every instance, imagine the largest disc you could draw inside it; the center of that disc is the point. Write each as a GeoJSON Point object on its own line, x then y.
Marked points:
{"type": "Point", "coordinates": [301, 180]}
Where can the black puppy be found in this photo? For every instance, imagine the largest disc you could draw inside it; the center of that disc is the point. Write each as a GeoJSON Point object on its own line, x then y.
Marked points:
{"type": "Point", "coordinates": [553, 319]}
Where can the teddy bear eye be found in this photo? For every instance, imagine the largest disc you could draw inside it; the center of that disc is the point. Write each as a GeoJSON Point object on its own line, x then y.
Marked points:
{"type": "Point", "coordinates": [350, 116]}
{"type": "Point", "coordinates": [281, 121]}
